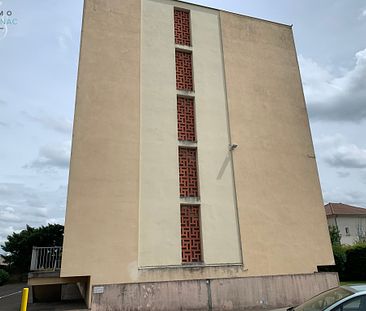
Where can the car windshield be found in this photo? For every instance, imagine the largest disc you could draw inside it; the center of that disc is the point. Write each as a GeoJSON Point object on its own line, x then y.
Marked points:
{"type": "Point", "coordinates": [324, 300]}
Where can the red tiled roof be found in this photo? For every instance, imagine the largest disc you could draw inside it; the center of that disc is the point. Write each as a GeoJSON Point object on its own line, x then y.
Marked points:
{"type": "Point", "coordinates": [343, 209]}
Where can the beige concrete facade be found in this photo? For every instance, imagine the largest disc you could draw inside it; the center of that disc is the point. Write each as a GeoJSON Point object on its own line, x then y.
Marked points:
{"type": "Point", "coordinates": [220, 233]}
{"type": "Point", "coordinates": [159, 176]}
{"type": "Point", "coordinates": [159, 240]}
{"type": "Point", "coordinates": [261, 204]}
{"type": "Point", "coordinates": [282, 219]}
{"type": "Point", "coordinates": [101, 228]}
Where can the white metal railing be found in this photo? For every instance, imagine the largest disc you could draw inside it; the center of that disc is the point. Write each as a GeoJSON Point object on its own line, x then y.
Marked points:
{"type": "Point", "coordinates": [46, 258]}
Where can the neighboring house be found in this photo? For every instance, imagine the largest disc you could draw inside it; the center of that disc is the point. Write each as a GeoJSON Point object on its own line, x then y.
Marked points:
{"type": "Point", "coordinates": [350, 221]}
{"type": "Point", "coordinates": [2, 263]}
{"type": "Point", "coordinates": [193, 181]}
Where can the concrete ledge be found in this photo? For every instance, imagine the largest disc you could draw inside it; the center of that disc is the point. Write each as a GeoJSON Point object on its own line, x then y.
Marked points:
{"type": "Point", "coordinates": [49, 278]}
{"type": "Point", "coordinates": [214, 294]}
{"type": "Point", "coordinates": [43, 274]}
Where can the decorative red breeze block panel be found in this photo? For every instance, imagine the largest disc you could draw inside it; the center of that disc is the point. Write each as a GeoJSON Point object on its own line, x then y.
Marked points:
{"type": "Point", "coordinates": [188, 179]}
{"type": "Point", "coordinates": [183, 65]}
{"type": "Point", "coordinates": [186, 119]}
{"type": "Point", "coordinates": [190, 233]}
{"type": "Point", "coordinates": [182, 27]}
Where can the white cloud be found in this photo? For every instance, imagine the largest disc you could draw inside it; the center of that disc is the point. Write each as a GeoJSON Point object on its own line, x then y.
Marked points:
{"type": "Point", "coordinates": [4, 232]}
{"type": "Point", "coordinates": [342, 166]}
{"type": "Point", "coordinates": [363, 14]}
{"type": "Point", "coordinates": [335, 98]}
{"type": "Point", "coordinates": [348, 156]}
{"type": "Point", "coordinates": [65, 38]}
{"type": "Point", "coordinates": [52, 156]}
{"type": "Point", "coordinates": [338, 152]}
{"type": "Point", "coordinates": [59, 220]}
{"type": "Point", "coordinates": [7, 214]}
{"type": "Point", "coordinates": [339, 195]}
{"type": "Point", "coordinates": [329, 141]}
{"type": "Point", "coordinates": [62, 42]}
{"type": "Point", "coordinates": [342, 174]}
{"type": "Point", "coordinates": [21, 205]}
{"type": "Point", "coordinates": [61, 125]}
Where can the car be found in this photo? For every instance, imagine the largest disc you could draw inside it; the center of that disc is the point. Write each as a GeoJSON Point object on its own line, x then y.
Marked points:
{"type": "Point", "coordinates": [343, 298]}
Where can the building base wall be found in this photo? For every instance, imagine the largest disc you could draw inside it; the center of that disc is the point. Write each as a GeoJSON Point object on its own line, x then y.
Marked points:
{"type": "Point", "coordinates": [50, 287]}
{"type": "Point", "coordinates": [213, 294]}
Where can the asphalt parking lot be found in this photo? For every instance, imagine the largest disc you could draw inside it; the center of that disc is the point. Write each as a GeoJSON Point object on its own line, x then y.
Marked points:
{"type": "Point", "coordinates": [11, 295]}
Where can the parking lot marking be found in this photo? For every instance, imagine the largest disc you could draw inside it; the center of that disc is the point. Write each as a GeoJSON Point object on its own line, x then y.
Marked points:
{"type": "Point", "coordinates": [12, 294]}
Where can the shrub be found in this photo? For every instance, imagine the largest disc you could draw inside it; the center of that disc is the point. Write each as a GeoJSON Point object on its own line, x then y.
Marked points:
{"type": "Point", "coordinates": [339, 252]}
{"type": "Point", "coordinates": [355, 268]}
{"type": "Point", "coordinates": [4, 276]}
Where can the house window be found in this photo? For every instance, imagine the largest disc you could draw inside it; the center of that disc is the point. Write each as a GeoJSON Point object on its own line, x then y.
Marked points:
{"type": "Point", "coordinates": [347, 231]}
{"type": "Point", "coordinates": [190, 233]}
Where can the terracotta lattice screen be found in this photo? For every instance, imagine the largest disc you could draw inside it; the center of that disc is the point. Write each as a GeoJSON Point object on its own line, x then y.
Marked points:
{"type": "Point", "coordinates": [188, 175]}
{"type": "Point", "coordinates": [186, 120]}
{"type": "Point", "coordinates": [188, 181]}
{"type": "Point", "coordinates": [191, 233]}
{"type": "Point", "coordinates": [183, 64]}
{"type": "Point", "coordinates": [182, 27]}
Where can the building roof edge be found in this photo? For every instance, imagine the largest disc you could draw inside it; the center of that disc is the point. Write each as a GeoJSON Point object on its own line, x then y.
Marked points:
{"type": "Point", "coordinates": [235, 13]}
{"type": "Point", "coordinates": [337, 209]}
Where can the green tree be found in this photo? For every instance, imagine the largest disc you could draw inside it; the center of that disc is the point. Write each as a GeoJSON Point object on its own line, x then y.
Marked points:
{"type": "Point", "coordinates": [335, 235]}
{"type": "Point", "coordinates": [339, 251]}
{"type": "Point", "coordinates": [4, 277]}
{"type": "Point", "coordinates": [19, 245]}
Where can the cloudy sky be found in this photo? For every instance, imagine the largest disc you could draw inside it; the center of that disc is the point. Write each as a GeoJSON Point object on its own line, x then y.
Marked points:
{"type": "Point", "coordinates": [38, 66]}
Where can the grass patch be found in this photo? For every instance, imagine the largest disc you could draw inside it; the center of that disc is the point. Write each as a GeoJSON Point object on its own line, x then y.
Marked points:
{"type": "Point", "coordinates": [353, 283]}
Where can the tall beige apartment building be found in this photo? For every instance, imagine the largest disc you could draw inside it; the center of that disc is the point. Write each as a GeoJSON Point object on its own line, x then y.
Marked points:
{"type": "Point", "coordinates": [193, 180]}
